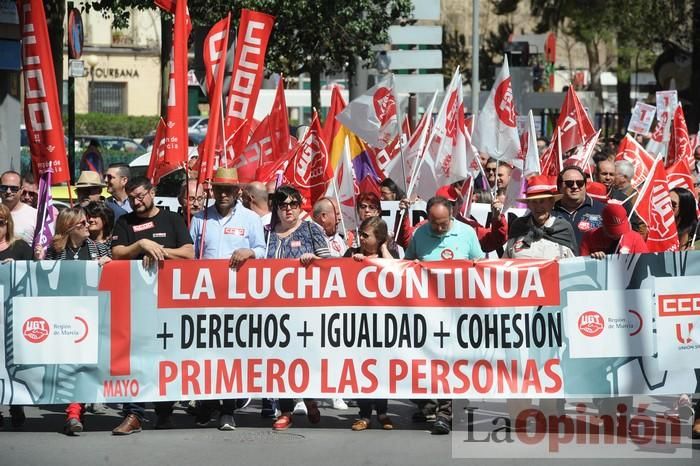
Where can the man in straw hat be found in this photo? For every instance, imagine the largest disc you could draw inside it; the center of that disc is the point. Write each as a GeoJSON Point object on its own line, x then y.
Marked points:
{"type": "Point", "coordinates": [226, 230]}
{"type": "Point", "coordinates": [89, 188]}
{"type": "Point", "coordinates": [539, 234]}
{"type": "Point", "coordinates": [151, 234]}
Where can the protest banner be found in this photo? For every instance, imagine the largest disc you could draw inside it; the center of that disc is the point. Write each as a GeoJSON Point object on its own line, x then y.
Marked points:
{"type": "Point", "coordinates": [371, 329]}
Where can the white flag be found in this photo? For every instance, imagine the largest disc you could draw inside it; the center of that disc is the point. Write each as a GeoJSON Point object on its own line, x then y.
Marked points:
{"type": "Point", "coordinates": [532, 156]}
{"type": "Point", "coordinates": [343, 186]}
{"type": "Point", "coordinates": [403, 167]}
{"type": "Point", "coordinates": [495, 131]}
{"type": "Point", "coordinates": [372, 116]}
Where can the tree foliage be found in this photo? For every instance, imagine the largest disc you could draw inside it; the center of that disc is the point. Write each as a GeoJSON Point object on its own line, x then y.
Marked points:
{"type": "Point", "coordinates": [310, 36]}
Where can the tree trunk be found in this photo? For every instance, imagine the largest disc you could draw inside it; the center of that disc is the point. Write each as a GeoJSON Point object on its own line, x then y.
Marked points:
{"type": "Point", "coordinates": [624, 87]}
{"type": "Point", "coordinates": [55, 13]}
{"type": "Point", "coordinates": [315, 77]}
{"type": "Point", "coordinates": [692, 114]}
{"type": "Point", "coordinates": [595, 69]}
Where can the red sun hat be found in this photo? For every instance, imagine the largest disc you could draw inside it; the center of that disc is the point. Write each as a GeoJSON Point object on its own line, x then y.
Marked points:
{"type": "Point", "coordinates": [540, 187]}
{"type": "Point", "coordinates": [615, 222]}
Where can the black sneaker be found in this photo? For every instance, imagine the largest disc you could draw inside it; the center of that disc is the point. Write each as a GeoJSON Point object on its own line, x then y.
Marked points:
{"type": "Point", "coordinates": [17, 417]}
{"type": "Point", "coordinates": [203, 417]}
{"type": "Point", "coordinates": [226, 422]}
{"type": "Point", "coordinates": [165, 422]}
{"type": "Point", "coordinates": [441, 426]}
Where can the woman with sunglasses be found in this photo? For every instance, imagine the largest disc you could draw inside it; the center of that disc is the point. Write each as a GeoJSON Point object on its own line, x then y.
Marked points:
{"type": "Point", "coordinates": [12, 249]}
{"type": "Point", "coordinates": [71, 241]}
{"type": "Point", "coordinates": [293, 238]}
{"type": "Point", "coordinates": [373, 244]}
{"type": "Point", "coordinates": [686, 215]}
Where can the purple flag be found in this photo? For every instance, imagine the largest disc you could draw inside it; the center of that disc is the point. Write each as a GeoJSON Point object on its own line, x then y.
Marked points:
{"type": "Point", "coordinates": [46, 213]}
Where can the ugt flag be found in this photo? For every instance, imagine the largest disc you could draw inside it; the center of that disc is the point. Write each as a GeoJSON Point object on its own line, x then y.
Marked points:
{"type": "Point", "coordinates": [372, 116]}
{"type": "Point", "coordinates": [496, 132]}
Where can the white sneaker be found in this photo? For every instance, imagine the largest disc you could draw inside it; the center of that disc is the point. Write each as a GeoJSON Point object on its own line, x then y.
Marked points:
{"type": "Point", "coordinates": [338, 403]}
{"type": "Point", "coordinates": [300, 408]}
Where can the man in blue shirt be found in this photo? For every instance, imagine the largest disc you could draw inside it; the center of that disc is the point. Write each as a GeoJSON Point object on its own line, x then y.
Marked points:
{"type": "Point", "coordinates": [116, 178]}
{"type": "Point", "coordinates": [442, 238]}
{"type": "Point", "coordinates": [226, 230]}
{"type": "Point", "coordinates": [232, 231]}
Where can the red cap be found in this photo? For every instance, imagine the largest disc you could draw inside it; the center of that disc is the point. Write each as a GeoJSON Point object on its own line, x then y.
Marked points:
{"type": "Point", "coordinates": [597, 191]}
{"type": "Point", "coordinates": [449, 192]}
{"type": "Point", "coordinates": [615, 220]}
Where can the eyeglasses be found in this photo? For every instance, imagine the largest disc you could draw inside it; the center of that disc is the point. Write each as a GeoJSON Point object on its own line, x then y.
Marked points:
{"type": "Point", "coordinates": [5, 187]}
{"type": "Point", "coordinates": [367, 207]}
{"type": "Point", "coordinates": [571, 183]}
{"type": "Point", "coordinates": [196, 199]}
{"type": "Point", "coordinates": [288, 205]}
{"type": "Point", "coordinates": [139, 197]}
{"type": "Point", "coordinates": [81, 224]}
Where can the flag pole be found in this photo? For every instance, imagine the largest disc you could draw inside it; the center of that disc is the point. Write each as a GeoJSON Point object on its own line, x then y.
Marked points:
{"type": "Point", "coordinates": [399, 124]}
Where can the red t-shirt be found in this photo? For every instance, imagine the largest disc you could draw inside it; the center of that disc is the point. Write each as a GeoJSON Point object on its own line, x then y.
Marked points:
{"type": "Point", "coordinates": [597, 241]}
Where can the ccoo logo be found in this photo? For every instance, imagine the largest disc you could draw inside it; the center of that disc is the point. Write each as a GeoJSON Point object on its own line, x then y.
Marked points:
{"type": "Point", "coordinates": [35, 329]}
{"type": "Point", "coordinates": [590, 324]}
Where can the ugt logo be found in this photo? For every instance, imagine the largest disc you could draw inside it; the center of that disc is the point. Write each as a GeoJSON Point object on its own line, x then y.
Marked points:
{"type": "Point", "coordinates": [35, 329]}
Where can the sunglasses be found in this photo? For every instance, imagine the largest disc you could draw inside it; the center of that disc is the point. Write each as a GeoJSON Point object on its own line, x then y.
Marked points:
{"type": "Point", "coordinates": [288, 205]}
{"type": "Point", "coordinates": [5, 187]}
{"type": "Point", "coordinates": [571, 183]}
{"type": "Point", "coordinates": [81, 224]}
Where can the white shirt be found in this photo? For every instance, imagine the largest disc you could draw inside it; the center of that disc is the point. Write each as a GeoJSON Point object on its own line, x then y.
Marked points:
{"type": "Point", "coordinates": [336, 244]}
{"type": "Point", "coordinates": [24, 218]}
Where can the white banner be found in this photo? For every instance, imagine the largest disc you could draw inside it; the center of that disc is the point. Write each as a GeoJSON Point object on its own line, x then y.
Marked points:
{"type": "Point", "coordinates": [642, 117]}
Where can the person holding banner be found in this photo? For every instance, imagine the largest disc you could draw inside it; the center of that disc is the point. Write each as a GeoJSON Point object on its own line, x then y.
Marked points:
{"type": "Point", "coordinates": [575, 205]}
{"type": "Point", "coordinates": [326, 214]}
{"type": "Point", "coordinates": [442, 238]}
{"type": "Point", "coordinates": [150, 234]}
{"type": "Point", "coordinates": [373, 244]}
{"type": "Point", "coordinates": [540, 234]}
{"type": "Point", "coordinates": [226, 230]}
{"type": "Point", "coordinates": [293, 238]}
{"type": "Point", "coordinates": [71, 241]}
{"type": "Point", "coordinates": [11, 249]}
{"type": "Point", "coordinates": [614, 236]}
{"type": "Point", "coordinates": [685, 213]}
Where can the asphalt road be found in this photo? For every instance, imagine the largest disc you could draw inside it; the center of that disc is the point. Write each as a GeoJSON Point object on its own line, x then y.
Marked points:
{"type": "Point", "coordinates": [330, 443]}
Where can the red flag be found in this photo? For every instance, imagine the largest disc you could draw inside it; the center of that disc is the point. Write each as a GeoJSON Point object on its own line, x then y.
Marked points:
{"type": "Point", "coordinates": [42, 114]}
{"type": "Point", "coordinates": [257, 153]}
{"type": "Point", "coordinates": [679, 146]}
{"type": "Point", "coordinates": [654, 208]}
{"type": "Point", "coordinates": [332, 125]}
{"type": "Point", "coordinates": [370, 185]}
{"type": "Point", "coordinates": [631, 151]}
{"type": "Point", "coordinates": [573, 122]}
{"type": "Point", "coordinates": [549, 160]}
{"type": "Point", "coordinates": [465, 194]}
{"type": "Point", "coordinates": [215, 48]}
{"type": "Point", "coordinates": [176, 113]}
{"type": "Point", "coordinates": [309, 169]}
{"type": "Point", "coordinates": [167, 5]}
{"type": "Point", "coordinates": [279, 125]}
{"type": "Point", "coordinates": [248, 66]}
{"type": "Point", "coordinates": [156, 163]}
{"type": "Point", "coordinates": [680, 176]}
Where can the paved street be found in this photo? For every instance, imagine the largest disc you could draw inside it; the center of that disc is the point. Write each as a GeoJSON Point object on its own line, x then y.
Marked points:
{"type": "Point", "coordinates": [254, 443]}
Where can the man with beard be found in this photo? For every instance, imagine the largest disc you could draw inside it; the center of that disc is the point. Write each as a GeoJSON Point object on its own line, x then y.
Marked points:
{"type": "Point", "coordinates": [151, 234]}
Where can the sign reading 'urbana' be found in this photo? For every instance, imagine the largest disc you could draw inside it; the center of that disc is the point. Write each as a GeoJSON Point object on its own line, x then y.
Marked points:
{"type": "Point", "coordinates": [115, 73]}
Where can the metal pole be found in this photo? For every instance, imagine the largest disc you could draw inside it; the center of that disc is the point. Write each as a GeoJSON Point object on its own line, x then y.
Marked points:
{"type": "Point", "coordinates": [71, 128]}
{"type": "Point", "coordinates": [475, 58]}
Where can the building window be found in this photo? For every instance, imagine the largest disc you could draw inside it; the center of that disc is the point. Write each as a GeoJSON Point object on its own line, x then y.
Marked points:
{"type": "Point", "coordinates": [107, 98]}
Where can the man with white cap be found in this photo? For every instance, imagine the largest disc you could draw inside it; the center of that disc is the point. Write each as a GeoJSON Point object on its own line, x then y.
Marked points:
{"type": "Point", "coordinates": [226, 230]}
